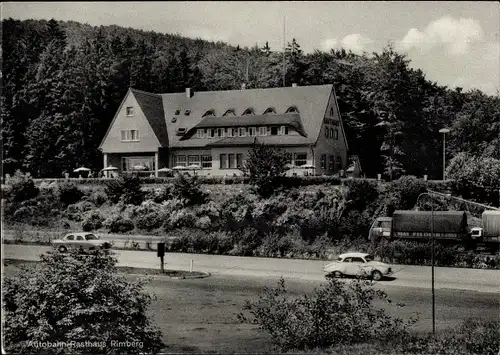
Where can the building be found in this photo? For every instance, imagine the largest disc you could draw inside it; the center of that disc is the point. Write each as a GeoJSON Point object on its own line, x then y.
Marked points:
{"type": "Point", "coordinates": [216, 129]}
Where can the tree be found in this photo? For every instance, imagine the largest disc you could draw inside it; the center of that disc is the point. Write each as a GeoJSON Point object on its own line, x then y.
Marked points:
{"type": "Point", "coordinates": [266, 167]}
{"type": "Point", "coordinates": [77, 299]}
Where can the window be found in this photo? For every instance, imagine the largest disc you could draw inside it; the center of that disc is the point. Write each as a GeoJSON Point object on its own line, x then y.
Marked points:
{"type": "Point", "coordinates": [220, 132]}
{"type": "Point", "coordinates": [130, 135]}
{"type": "Point", "coordinates": [281, 131]}
{"type": "Point", "coordinates": [357, 260]}
{"type": "Point", "coordinates": [330, 161]}
{"type": "Point", "coordinates": [274, 131]}
{"type": "Point", "coordinates": [300, 159]}
{"type": "Point", "coordinates": [223, 161]}
{"type": "Point", "coordinates": [79, 237]}
{"type": "Point", "coordinates": [211, 133]}
{"type": "Point", "coordinates": [230, 132]}
{"type": "Point", "coordinates": [338, 161]}
{"type": "Point", "coordinates": [336, 133]}
{"type": "Point", "coordinates": [286, 130]}
{"type": "Point", "coordinates": [187, 112]}
{"type": "Point", "coordinates": [128, 163]}
{"type": "Point", "coordinates": [326, 132]}
{"type": "Point", "coordinates": [242, 131]}
{"type": "Point", "coordinates": [230, 112]}
{"type": "Point", "coordinates": [323, 161]}
{"type": "Point", "coordinates": [174, 119]}
{"type": "Point", "coordinates": [331, 111]}
{"type": "Point", "coordinates": [70, 237]}
{"type": "Point", "coordinates": [332, 134]}
{"type": "Point", "coordinates": [177, 112]}
{"type": "Point", "coordinates": [248, 111]}
{"type": "Point", "coordinates": [262, 131]}
{"type": "Point", "coordinates": [292, 109]}
{"type": "Point", "coordinates": [194, 160]}
{"type": "Point", "coordinates": [206, 161]}
{"type": "Point", "coordinates": [210, 112]}
{"type": "Point", "coordinates": [252, 131]}
{"type": "Point", "coordinates": [180, 131]}
{"type": "Point", "coordinates": [180, 160]}
{"type": "Point", "coordinates": [130, 111]}
{"type": "Point", "coordinates": [239, 160]}
{"type": "Point", "coordinates": [231, 161]}
{"type": "Point", "coordinates": [90, 237]}
{"type": "Point", "coordinates": [201, 133]}
{"type": "Point", "coordinates": [269, 110]}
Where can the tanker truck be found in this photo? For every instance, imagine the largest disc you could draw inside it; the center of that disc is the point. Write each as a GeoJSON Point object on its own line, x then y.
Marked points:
{"type": "Point", "coordinates": [449, 227]}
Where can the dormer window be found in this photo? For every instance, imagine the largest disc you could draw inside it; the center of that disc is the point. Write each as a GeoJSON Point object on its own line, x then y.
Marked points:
{"type": "Point", "coordinates": [331, 111]}
{"type": "Point", "coordinates": [187, 112]}
{"type": "Point", "coordinates": [283, 130]}
{"type": "Point", "coordinates": [242, 132]}
{"type": "Point", "coordinates": [180, 131]}
{"type": "Point", "coordinates": [177, 112]}
{"type": "Point", "coordinates": [201, 133]}
{"type": "Point", "coordinates": [230, 112]}
{"type": "Point", "coordinates": [262, 131]}
{"type": "Point", "coordinates": [274, 131]}
{"type": "Point", "coordinates": [252, 131]}
{"type": "Point", "coordinates": [292, 109]}
{"type": "Point", "coordinates": [210, 112]}
{"type": "Point", "coordinates": [248, 111]}
{"type": "Point", "coordinates": [269, 110]}
{"type": "Point", "coordinates": [130, 111]}
{"type": "Point", "coordinates": [231, 132]}
{"type": "Point", "coordinates": [174, 119]}
{"type": "Point", "coordinates": [220, 132]}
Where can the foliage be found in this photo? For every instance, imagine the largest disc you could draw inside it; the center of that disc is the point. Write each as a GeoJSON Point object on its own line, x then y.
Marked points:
{"type": "Point", "coordinates": [99, 198]}
{"type": "Point", "coordinates": [402, 194]}
{"type": "Point", "coordinates": [149, 216]}
{"type": "Point", "coordinates": [23, 188]}
{"type": "Point", "coordinates": [127, 188]}
{"type": "Point", "coordinates": [118, 224]}
{"type": "Point", "coordinates": [92, 221]}
{"type": "Point", "coordinates": [69, 193]}
{"type": "Point", "coordinates": [477, 178]}
{"type": "Point", "coordinates": [265, 166]}
{"type": "Point", "coordinates": [189, 188]}
{"type": "Point", "coordinates": [336, 313]}
{"type": "Point", "coordinates": [77, 298]}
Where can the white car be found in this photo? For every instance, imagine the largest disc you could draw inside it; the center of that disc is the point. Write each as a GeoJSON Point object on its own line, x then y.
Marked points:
{"type": "Point", "coordinates": [81, 241]}
{"type": "Point", "coordinates": [357, 264]}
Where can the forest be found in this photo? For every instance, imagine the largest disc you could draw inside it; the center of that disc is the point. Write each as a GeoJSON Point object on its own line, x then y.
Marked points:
{"type": "Point", "coordinates": [63, 82]}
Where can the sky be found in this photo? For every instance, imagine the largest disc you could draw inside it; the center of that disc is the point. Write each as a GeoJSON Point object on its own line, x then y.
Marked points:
{"type": "Point", "coordinates": [454, 43]}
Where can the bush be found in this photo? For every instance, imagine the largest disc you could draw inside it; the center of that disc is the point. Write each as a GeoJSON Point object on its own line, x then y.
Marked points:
{"type": "Point", "coordinates": [189, 189]}
{"type": "Point", "coordinates": [149, 216]}
{"type": "Point", "coordinates": [337, 313]}
{"type": "Point", "coordinates": [22, 188]}
{"type": "Point", "coordinates": [118, 224]}
{"type": "Point", "coordinates": [76, 212]}
{"type": "Point", "coordinates": [180, 219]}
{"type": "Point", "coordinates": [126, 188]}
{"type": "Point", "coordinates": [99, 198]}
{"type": "Point", "coordinates": [69, 193]}
{"type": "Point", "coordinates": [92, 221]}
{"type": "Point", "coordinates": [76, 298]}
{"type": "Point", "coordinates": [361, 193]}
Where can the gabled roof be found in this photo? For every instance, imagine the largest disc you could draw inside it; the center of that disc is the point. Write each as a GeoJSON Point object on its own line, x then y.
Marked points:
{"type": "Point", "coordinates": [152, 107]}
{"type": "Point", "coordinates": [311, 102]}
{"type": "Point", "coordinates": [288, 119]}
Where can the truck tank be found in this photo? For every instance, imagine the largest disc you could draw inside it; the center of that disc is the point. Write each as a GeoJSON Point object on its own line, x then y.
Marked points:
{"type": "Point", "coordinates": [491, 223]}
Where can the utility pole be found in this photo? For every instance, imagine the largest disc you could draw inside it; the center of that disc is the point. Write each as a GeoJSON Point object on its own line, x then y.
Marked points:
{"type": "Point", "coordinates": [284, 50]}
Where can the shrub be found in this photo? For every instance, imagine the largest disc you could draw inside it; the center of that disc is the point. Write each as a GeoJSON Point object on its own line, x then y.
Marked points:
{"type": "Point", "coordinates": [92, 221]}
{"type": "Point", "coordinates": [189, 188]}
{"type": "Point", "coordinates": [45, 302]}
{"type": "Point", "coordinates": [165, 193]}
{"type": "Point", "coordinates": [180, 219]}
{"type": "Point", "coordinates": [22, 188]}
{"type": "Point", "coordinates": [337, 313]}
{"type": "Point", "coordinates": [126, 188]}
{"type": "Point", "coordinates": [69, 193]}
{"type": "Point", "coordinates": [118, 224]}
{"type": "Point", "coordinates": [265, 166]}
{"type": "Point", "coordinates": [149, 216]}
{"type": "Point", "coordinates": [361, 193]}
{"type": "Point", "coordinates": [99, 198]}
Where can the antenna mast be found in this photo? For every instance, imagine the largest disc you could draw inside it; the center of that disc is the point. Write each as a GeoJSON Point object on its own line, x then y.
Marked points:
{"type": "Point", "coordinates": [284, 48]}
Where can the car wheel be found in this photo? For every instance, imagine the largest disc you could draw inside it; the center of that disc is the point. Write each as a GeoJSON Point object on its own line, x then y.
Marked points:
{"type": "Point", "coordinates": [376, 275]}
{"type": "Point", "coordinates": [337, 274]}
{"type": "Point", "coordinates": [62, 249]}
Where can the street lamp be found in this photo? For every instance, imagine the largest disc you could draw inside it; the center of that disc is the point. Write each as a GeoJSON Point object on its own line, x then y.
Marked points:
{"type": "Point", "coordinates": [444, 131]}
{"type": "Point", "coordinates": [432, 262]}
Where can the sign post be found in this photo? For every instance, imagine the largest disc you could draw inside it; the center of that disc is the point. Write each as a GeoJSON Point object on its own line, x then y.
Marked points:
{"type": "Point", "coordinates": [161, 255]}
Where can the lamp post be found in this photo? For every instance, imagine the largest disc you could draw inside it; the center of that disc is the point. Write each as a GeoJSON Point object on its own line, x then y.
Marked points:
{"type": "Point", "coordinates": [444, 131]}
{"type": "Point", "coordinates": [432, 262]}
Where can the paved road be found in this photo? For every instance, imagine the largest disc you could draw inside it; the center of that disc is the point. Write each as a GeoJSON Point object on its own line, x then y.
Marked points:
{"type": "Point", "coordinates": [406, 276]}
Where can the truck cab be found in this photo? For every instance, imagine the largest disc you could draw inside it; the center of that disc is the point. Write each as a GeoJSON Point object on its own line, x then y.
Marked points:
{"type": "Point", "coordinates": [380, 228]}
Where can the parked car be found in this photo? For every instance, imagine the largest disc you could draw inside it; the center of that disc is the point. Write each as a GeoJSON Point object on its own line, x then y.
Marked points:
{"type": "Point", "coordinates": [83, 241]}
{"type": "Point", "coordinates": [357, 264]}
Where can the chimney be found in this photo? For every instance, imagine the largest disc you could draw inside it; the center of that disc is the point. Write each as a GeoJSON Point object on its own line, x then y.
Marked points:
{"type": "Point", "coordinates": [243, 86]}
{"type": "Point", "coordinates": [188, 93]}
{"type": "Point", "coordinates": [294, 85]}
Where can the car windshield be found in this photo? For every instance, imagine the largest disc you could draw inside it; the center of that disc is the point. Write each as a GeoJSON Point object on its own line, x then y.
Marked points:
{"type": "Point", "coordinates": [90, 237]}
{"type": "Point", "coordinates": [339, 259]}
{"type": "Point", "coordinates": [368, 258]}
